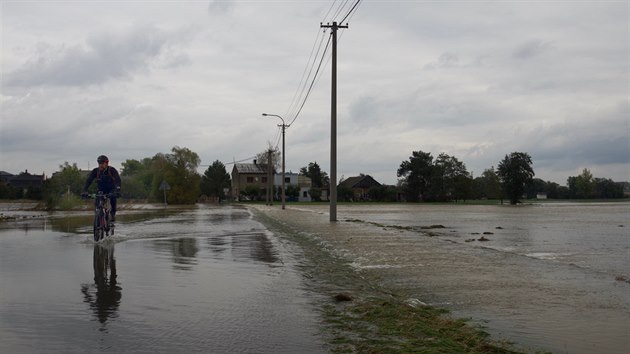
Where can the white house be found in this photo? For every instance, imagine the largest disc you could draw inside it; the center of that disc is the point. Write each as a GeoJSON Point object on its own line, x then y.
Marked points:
{"type": "Point", "coordinates": [293, 179]}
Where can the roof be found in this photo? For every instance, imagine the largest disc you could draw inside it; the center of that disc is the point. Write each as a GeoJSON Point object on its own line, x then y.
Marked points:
{"type": "Point", "coordinates": [251, 168]}
{"type": "Point", "coordinates": [363, 181]}
{"type": "Point", "coordinates": [25, 180]}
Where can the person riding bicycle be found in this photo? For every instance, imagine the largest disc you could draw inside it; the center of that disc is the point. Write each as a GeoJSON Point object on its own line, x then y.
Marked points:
{"type": "Point", "coordinates": [107, 180]}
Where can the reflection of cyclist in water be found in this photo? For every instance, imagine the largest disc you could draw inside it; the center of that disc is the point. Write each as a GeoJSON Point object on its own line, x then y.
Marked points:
{"type": "Point", "coordinates": [106, 300]}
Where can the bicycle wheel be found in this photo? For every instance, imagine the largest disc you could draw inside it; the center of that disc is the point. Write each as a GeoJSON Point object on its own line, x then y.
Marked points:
{"type": "Point", "coordinates": [96, 228]}
{"type": "Point", "coordinates": [110, 225]}
{"type": "Point", "coordinates": [104, 226]}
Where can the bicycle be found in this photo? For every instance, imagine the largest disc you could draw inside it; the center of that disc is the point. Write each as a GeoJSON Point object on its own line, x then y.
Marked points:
{"type": "Point", "coordinates": [102, 215]}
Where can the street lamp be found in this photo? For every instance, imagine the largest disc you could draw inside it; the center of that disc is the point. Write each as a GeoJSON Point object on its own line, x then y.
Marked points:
{"type": "Point", "coordinates": [284, 126]}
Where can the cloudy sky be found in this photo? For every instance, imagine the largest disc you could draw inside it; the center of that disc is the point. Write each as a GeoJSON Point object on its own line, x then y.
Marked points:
{"type": "Point", "coordinates": [474, 79]}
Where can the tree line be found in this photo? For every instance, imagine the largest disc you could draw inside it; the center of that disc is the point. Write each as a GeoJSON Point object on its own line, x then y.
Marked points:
{"type": "Point", "coordinates": [445, 178]}
{"type": "Point", "coordinates": [421, 178]}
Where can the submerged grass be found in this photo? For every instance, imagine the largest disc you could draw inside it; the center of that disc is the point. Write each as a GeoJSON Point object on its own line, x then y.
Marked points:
{"type": "Point", "coordinates": [376, 320]}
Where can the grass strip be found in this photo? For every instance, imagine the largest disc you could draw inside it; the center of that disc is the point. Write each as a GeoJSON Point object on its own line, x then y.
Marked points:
{"type": "Point", "coordinates": [375, 320]}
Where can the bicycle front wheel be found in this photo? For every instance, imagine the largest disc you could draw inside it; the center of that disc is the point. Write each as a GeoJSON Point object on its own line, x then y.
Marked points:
{"type": "Point", "coordinates": [99, 227]}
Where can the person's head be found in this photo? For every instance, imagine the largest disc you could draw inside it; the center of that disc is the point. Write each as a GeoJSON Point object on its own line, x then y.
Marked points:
{"type": "Point", "coordinates": [103, 162]}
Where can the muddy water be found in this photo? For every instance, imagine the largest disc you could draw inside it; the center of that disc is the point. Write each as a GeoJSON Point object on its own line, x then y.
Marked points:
{"type": "Point", "coordinates": [199, 280]}
{"type": "Point", "coordinates": [550, 277]}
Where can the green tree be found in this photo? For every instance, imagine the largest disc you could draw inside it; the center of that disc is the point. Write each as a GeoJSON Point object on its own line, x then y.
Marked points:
{"type": "Point", "coordinates": [448, 179]}
{"type": "Point", "coordinates": [132, 168]}
{"type": "Point", "coordinates": [416, 175]}
{"type": "Point", "coordinates": [382, 193]}
{"type": "Point", "coordinates": [606, 188]}
{"type": "Point", "coordinates": [536, 186]}
{"type": "Point", "coordinates": [293, 192]}
{"type": "Point", "coordinates": [515, 172]}
{"type": "Point", "coordinates": [7, 192]}
{"type": "Point", "coordinates": [214, 180]}
{"type": "Point", "coordinates": [179, 170]}
{"type": "Point", "coordinates": [315, 193]}
{"type": "Point", "coordinates": [344, 193]}
{"type": "Point", "coordinates": [66, 184]}
{"type": "Point", "coordinates": [137, 177]}
{"type": "Point", "coordinates": [487, 185]}
{"type": "Point", "coordinates": [584, 184]}
{"type": "Point", "coordinates": [251, 192]}
{"type": "Point", "coordinates": [319, 179]}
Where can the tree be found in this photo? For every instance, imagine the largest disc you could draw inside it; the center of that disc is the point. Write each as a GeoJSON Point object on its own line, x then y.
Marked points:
{"type": "Point", "coordinates": [416, 175]}
{"type": "Point", "coordinates": [606, 188]}
{"type": "Point", "coordinates": [319, 179]}
{"type": "Point", "coordinates": [179, 170]}
{"type": "Point", "coordinates": [214, 180]}
{"type": "Point", "coordinates": [276, 157]}
{"type": "Point", "coordinates": [449, 179]}
{"type": "Point", "coordinates": [315, 193]}
{"type": "Point", "coordinates": [137, 177]}
{"type": "Point", "coordinates": [488, 185]}
{"type": "Point", "coordinates": [293, 192]}
{"type": "Point", "coordinates": [515, 172]}
{"type": "Point", "coordinates": [67, 182]}
{"type": "Point", "coordinates": [382, 193]}
{"type": "Point", "coordinates": [536, 186]}
{"type": "Point", "coordinates": [584, 184]}
{"type": "Point", "coordinates": [131, 167]}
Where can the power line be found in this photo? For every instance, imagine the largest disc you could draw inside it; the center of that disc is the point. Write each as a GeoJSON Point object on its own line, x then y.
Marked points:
{"type": "Point", "coordinates": [312, 82]}
{"type": "Point", "coordinates": [349, 12]}
{"type": "Point", "coordinates": [339, 9]}
{"type": "Point", "coordinates": [315, 79]}
{"type": "Point", "coordinates": [304, 81]}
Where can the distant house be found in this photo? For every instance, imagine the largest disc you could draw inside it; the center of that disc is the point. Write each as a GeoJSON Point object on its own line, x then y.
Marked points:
{"type": "Point", "coordinates": [5, 177]}
{"type": "Point", "coordinates": [541, 195]}
{"type": "Point", "coordinates": [247, 177]}
{"type": "Point", "coordinates": [360, 185]}
{"type": "Point", "coordinates": [24, 181]}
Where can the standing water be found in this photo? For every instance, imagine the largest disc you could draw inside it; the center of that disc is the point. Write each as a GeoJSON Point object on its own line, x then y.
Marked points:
{"type": "Point", "coordinates": [205, 279]}
{"type": "Point", "coordinates": [552, 276]}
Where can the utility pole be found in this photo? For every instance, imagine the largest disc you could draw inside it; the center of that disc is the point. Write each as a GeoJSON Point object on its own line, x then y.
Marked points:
{"type": "Point", "coordinates": [333, 121]}
{"type": "Point", "coordinates": [284, 127]}
{"type": "Point", "coordinates": [269, 177]}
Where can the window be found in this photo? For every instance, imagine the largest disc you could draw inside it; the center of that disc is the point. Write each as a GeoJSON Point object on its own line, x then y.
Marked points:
{"type": "Point", "coordinates": [264, 180]}
{"type": "Point", "coordinates": [287, 180]}
{"type": "Point", "coordinates": [250, 179]}
{"type": "Point", "coordinates": [305, 194]}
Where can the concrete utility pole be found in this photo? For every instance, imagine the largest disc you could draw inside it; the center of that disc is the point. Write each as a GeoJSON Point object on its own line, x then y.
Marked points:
{"type": "Point", "coordinates": [284, 126]}
{"type": "Point", "coordinates": [333, 121]}
{"type": "Point", "coordinates": [269, 177]}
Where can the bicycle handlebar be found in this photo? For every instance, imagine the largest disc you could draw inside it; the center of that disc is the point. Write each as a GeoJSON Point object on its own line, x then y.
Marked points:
{"type": "Point", "coordinates": [100, 195]}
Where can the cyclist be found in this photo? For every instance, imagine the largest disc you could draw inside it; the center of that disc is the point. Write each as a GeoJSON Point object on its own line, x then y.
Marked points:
{"type": "Point", "coordinates": [107, 180]}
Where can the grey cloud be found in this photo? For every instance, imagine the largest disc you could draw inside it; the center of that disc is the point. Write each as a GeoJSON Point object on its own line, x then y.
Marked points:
{"type": "Point", "coordinates": [103, 57]}
{"type": "Point", "coordinates": [531, 49]}
{"type": "Point", "coordinates": [220, 6]}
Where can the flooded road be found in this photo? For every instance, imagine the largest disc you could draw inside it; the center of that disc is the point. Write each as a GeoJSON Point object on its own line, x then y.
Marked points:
{"type": "Point", "coordinates": [206, 279]}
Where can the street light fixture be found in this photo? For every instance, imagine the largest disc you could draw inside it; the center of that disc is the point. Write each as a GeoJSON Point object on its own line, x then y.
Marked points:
{"type": "Point", "coordinates": [284, 126]}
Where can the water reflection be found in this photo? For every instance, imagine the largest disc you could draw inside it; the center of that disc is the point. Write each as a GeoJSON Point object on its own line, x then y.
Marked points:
{"type": "Point", "coordinates": [184, 253]}
{"type": "Point", "coordinates": [104, 295]}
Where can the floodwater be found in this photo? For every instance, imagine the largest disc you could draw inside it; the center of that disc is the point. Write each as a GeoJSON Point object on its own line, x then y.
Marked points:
{"type": "Point", "coordinates": [205, 279]}
{"type": "Point", "coordinates": [549, 276]}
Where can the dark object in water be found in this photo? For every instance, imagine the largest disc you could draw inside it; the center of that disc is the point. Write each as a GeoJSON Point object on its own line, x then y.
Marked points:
{"type": "Point", "coordinates": [343, 297]}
